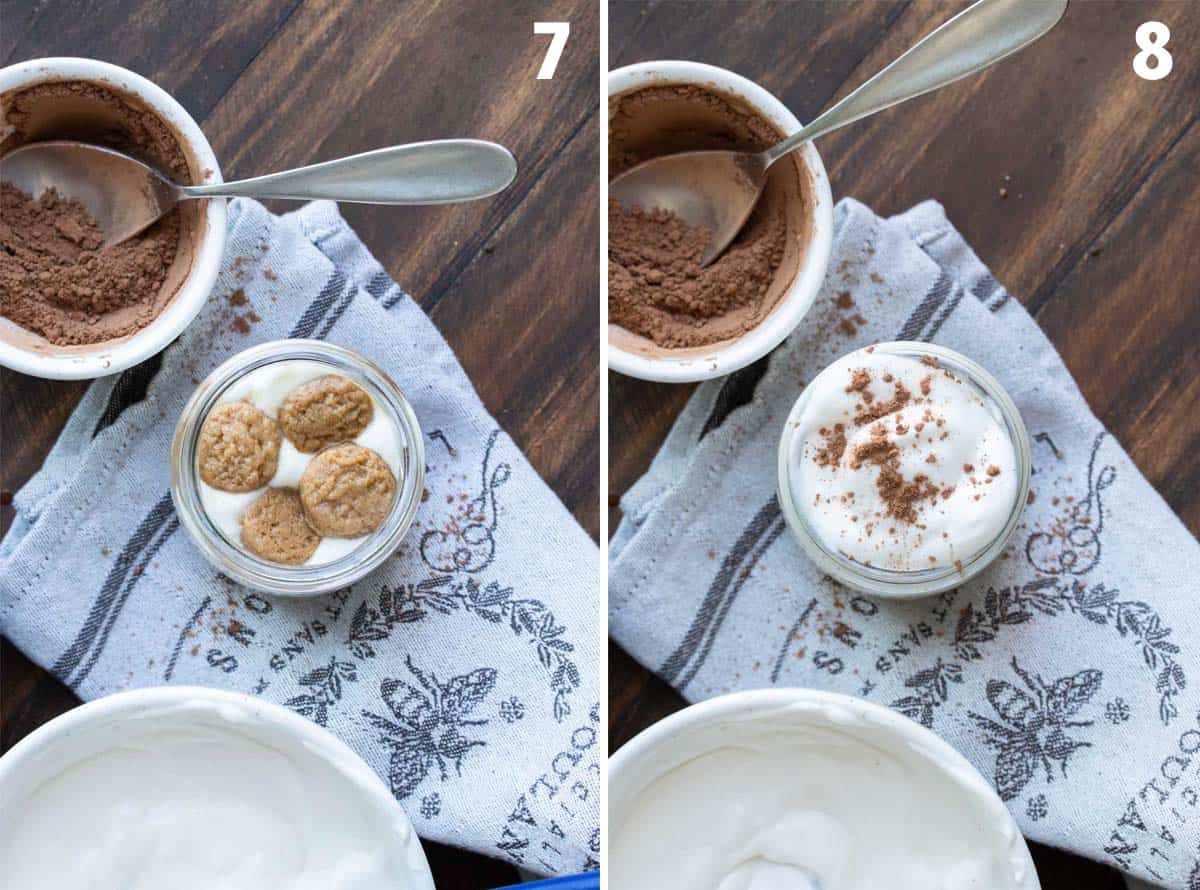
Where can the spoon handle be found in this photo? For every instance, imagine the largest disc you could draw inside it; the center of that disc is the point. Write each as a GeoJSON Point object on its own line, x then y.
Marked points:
{"type": "Point", "coordinates": [979, 36]}
{"type": "Point", "coordinates": [441, 172]}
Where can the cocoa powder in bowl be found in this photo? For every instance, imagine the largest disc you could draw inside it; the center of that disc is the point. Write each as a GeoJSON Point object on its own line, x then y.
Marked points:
{"type": "Point", "coordinates": [660, 300]}
{"type": "Point", "coordinates": [57, 290]}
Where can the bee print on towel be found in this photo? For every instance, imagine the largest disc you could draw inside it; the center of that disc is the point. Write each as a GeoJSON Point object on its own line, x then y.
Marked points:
{"type": "Point", "coordinates": [1036, 725]}
{"type": "Point", "coordinates": [430, 729]}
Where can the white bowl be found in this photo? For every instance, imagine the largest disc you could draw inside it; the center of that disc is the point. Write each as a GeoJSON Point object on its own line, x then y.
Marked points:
{"type": "Point", "coordinates": [42, 359]}
{"type": "Point", "coordinates": [727, 720]}
{"type": "Point", "coordinates": [724, 358]}
{"type": "Point", "coordinates": [108, 722]}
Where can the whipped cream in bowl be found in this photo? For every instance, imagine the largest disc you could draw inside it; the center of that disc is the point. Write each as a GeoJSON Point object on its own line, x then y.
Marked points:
{"type": "Point", "coordinates": [232, 523]}
{"type": "Point", "coordinates": [903, 469]}
{"type": "Point", "coordinates": [792, 789]}
{"type": "Point", "coordinates": [194, 789]}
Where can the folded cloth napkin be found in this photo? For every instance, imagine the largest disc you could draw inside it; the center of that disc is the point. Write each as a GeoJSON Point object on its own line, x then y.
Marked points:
{"type": "Point", "coordinates": [1062, 672]}
{"type": "Point", "coordinates": [466, 671]}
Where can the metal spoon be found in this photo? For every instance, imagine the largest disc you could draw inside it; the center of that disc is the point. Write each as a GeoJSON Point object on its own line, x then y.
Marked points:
{"type": "Point", "coordinates": [717, 190]}
{"type": "Point", "coordinates": [125, 196]}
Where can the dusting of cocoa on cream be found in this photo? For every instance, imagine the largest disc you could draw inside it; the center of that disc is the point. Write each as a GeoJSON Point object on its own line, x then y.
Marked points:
{"type": "Point", "coordinates": [901, 467]}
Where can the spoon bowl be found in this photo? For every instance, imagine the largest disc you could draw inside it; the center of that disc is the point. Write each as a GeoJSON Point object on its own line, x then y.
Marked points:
{"type": "Point", "coordinates": [123, 195]}
{"type": "Point", "coordinates": [712, 190]}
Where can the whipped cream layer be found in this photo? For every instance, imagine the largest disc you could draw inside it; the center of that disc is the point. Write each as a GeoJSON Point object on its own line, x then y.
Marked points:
{"type": "Point", "coordinates": [199, 797]}
{"type": "Point", "coordinates": [802, 793]}
{"type": "Point", "coordinates": [266, 388]}
{"type": "Point", "coordinates": [898, 463]}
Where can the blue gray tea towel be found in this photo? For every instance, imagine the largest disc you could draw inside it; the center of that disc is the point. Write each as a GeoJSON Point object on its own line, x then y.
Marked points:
{"type": "Point", "coordinates": [1068, 673]}
{"type": "Point", "coordinates": [471, 685]}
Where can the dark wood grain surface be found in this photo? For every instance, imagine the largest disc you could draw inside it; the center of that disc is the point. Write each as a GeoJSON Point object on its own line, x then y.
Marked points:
{"type": "Point", "coordinates": [511, 282]}
{"type": "Point", "coordinates": [1096, 233]}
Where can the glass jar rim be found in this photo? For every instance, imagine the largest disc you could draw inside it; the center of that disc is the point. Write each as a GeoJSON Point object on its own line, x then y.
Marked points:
{"type": "Point", "coordinates": [891, 583]}
{"type": "Point", "coordinates": [276, 578]}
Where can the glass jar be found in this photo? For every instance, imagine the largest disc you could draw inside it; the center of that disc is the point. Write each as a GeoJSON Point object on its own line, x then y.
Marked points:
{"type": "Point", "coordinates": [229, 556]}
{"type": "Point", "coordinates": [892, 583]}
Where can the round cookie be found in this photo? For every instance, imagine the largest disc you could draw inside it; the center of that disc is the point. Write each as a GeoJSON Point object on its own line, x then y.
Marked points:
{"type": "Point", "coordinates": [238, 448]}
{"type": "Point", "coordinates": [274, 528]}
{"type": "Point", "coordinates": [347, 491]}
{"type": "Point", "coordinates": [325, 411]}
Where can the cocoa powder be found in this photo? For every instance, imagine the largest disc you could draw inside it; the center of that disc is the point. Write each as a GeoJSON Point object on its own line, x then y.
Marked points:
{"type": "Point", "coordinates": [870, 410]}
{"type": "Point", "coordinates": [835, 446]}
{"type": "Point", "coordinates": [899, 494]}
{"type": "Point", "coordinates": [54, 279]}
{"type": "Point", "coordinates": [657, 289]}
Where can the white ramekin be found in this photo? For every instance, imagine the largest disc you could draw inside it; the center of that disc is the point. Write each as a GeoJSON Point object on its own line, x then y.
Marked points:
{"type": "Point", "coordinates": [698, 729]}
{"type": "Point", "coordinates": [103, 724]}
{"type": "Point", "coordinates": [793, 305]}
{"type": "Point", "coordinates": [101, 359]}
{"type": "Point", "coordinates": [924, 582]}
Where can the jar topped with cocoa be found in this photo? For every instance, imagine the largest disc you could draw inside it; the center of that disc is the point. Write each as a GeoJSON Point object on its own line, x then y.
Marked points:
{"type": "Point", "coordinates": [903, 468]}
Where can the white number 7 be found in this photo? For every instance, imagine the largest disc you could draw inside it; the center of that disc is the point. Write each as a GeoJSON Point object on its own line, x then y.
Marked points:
{"type": "Point", "coordinates": [559, 30]}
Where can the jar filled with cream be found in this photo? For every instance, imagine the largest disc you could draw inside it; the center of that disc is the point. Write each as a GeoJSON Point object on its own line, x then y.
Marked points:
{"type": "Point", "coordinates": [903, 469]}
{"type": "Point", "coordinates": [297, 466]}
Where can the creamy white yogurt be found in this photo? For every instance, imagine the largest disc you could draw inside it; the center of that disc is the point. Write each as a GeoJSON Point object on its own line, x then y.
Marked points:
{"type": "Point", "coordinates": [901, 465]}
{"type": "Point", "coordinates": [771, 801]}
{"type": "Point", "coordinates": [201, 797]}
{"type": "Point", "coordinates": [266, 388]}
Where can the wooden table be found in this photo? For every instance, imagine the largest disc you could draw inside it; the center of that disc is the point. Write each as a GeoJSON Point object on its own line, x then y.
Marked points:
{"type": "Point", "coordinates": [1096, 232]}
{"type": "Point", "coordinates": [511, 282]}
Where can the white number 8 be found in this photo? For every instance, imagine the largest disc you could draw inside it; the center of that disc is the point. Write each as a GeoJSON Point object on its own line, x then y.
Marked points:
{"type": "Point", "coordinates": [1151, 38]}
